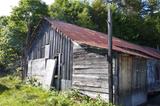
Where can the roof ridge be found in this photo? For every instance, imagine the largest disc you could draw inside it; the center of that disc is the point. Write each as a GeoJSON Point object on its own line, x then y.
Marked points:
{"type": "Point", "coordinates": [95, 38]}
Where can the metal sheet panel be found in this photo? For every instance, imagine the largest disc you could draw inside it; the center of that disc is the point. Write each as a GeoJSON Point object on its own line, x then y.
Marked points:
{"type": "Point", "coordinates": [97, 39]}
{"type": "Point", "coordinates": [50, 66]}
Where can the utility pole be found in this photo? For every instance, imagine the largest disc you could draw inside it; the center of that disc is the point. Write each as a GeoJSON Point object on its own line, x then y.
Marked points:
{"type": "Point", "coordinates": [110, 68]}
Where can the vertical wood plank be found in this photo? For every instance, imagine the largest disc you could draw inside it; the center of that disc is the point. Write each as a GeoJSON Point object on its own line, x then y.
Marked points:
{"type": "Point", "coordinates": [71, 60]}
{"type": "Point", "coordinates": [68, 58]}
{"type": "Point", "coordinates": [67, 46]}
{"type": "Point", "coordinates": [54, 44]}
{"type": "Point", "coordinates": [59, 72]}
{"type": "Point", "coordinates": [64, 63]}
{"type": "Point", "coordinates": [57, 40]}
{"type": "Point", "coordinates": [116, 101]}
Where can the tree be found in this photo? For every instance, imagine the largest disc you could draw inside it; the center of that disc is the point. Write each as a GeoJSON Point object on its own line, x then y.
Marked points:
{"type": "Point", "coordinates": [72, 11]}
{"type": "Point", "coordinates": [6, 53]}
{"type": "Point", "coordinates": [84, 19]}
{"type": "Point", "coordinates": [151, 30]}
{"type": "Point", "coordinates": [99, 15]}
{"type": "Point", "coordinates": [27, 14]}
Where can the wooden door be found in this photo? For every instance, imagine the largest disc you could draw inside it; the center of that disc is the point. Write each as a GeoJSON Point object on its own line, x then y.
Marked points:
{"type": "Point", "coordinates": [139, 91]}
{"type": "Point", "coordinates": [125, 70]}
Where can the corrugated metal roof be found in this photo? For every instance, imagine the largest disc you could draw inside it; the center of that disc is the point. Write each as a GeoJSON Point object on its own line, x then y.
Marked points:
{"type": "Point", "coordinates": [97, 39]}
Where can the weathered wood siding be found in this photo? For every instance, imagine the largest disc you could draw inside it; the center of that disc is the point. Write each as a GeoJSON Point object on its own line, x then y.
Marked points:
{"type": "Point", "coordinates": [90, 74]}
{"type": "Point", "coordinates": [132, 80]}
{"type": "Point", "coordinates": [153, 75]}
{"type": "Point", "coordinates": [50, 43]}
{"type": "Point", "coordinates": [125, 80]}
{"type": "Point", "coordinates": [87, 68]}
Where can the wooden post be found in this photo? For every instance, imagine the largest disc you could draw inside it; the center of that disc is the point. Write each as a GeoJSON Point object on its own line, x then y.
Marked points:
{"type": "Point", "coordinates": [110, 68]}
{"type": "Point", "coordinates": [59, 71]}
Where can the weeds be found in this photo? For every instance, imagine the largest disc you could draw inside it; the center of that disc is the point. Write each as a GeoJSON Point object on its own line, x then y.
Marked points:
{"type": "Point", "coordinates": [15, 93]}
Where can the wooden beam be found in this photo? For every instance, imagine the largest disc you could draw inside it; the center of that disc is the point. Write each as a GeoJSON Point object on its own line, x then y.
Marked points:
{"type": "Point", "coordinates": [59, 71]}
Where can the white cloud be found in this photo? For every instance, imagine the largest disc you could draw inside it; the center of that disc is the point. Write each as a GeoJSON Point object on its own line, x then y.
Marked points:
{"type": "Point", "coordinates": [48, 1]}
{"type": "Point", "coordinates": [6, 5]}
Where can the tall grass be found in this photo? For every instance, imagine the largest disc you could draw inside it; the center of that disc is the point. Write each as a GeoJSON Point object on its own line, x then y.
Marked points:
{"type": "Point", "coordinates": [15, 93]}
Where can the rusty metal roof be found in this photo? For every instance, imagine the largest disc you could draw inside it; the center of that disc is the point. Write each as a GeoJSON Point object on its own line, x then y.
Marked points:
{"type": "Point", "coordinates": [97, 39]}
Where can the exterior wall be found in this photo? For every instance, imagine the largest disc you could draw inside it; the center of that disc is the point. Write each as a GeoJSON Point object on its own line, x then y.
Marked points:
{"type": "Point", "coordinates": [90, 74]}
{"type": "Point", "coordinates": [132, 80]}
{"type": "Point", "coordinates": [153, 75]}
{"type": "Point", "coordinates": [49, 43]}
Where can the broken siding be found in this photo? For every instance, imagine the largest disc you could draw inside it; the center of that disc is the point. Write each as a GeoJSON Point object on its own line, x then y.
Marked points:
{"type": "Point", "coordinates": [42, 71]}
{"type": "Point", "coordinates": [90, 74]}
{"type": "Point", "coordinates": [52, 44]}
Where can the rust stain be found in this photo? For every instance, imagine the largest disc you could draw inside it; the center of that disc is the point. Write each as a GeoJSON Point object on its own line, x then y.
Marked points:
{"type": "Point", "coordinates": [98, 39]}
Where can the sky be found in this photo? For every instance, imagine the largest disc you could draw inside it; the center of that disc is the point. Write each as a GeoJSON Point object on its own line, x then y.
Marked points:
{"type": "Point", "coordinates": [6, 6]}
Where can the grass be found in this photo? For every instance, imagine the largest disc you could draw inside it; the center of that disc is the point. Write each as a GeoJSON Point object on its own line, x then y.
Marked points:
{"type": "Point", "coordinates": [15, 93]}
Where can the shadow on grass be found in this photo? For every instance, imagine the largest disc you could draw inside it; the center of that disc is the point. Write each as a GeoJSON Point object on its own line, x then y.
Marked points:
{"type": "Point", "coordinates": [5, 73]}
{"type": "Point", "coordinates": [3, 88]}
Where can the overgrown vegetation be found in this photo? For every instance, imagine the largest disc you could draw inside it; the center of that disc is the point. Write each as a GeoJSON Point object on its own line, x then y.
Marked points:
{"type": "Point", "coordinates": [15, 93]}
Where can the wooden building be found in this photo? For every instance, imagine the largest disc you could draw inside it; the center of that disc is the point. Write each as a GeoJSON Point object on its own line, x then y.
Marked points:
{"type": "Point", "coordinates": [63, 56]}
{"type": "Point", "coordinates": [153, 73]}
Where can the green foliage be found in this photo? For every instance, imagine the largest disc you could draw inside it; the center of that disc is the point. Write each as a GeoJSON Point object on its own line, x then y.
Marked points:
{"type": "Point", "coordinates": [126, 26]}
{"type": "Point", "coordinates": [15, 93]}
{"type": "Point", "coordinates": [99, 15]}
{"type": "Point", "coordinates": [7, 53]}
{"type": "Point", "coordinates": [132, 7]}
{"type": "Point", "coordinates": [26, 14]}
{"type": "Point", "coordinates": [128, 22]}
{"type": "Point", "coordinates": [14, 30]}
{"type": "Point", "coordinates": [72, 11]}
{"type": "Point", "coordinates": [84, 19]}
